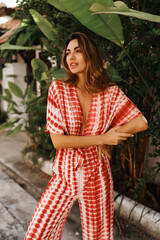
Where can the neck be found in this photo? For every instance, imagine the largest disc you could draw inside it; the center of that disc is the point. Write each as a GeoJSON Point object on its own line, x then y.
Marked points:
{"type": "Point", "coordinates": [81, 80]}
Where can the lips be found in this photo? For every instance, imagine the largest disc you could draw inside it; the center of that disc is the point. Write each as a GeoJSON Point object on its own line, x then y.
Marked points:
{"type": "Point", "coordinates": [73, 65]}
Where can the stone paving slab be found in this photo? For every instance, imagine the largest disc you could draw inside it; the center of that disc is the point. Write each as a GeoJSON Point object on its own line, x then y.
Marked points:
{"type": "Point", "coordinates": [10, 146]}
{"type": "Point", "coordinates": [16, 200]}
{"type": "Point", "coordinates": [16, 209]}
{"type": "Point", "coordinates": [10, 228]}
{"type": "Point", "coordinates": [27, 173]}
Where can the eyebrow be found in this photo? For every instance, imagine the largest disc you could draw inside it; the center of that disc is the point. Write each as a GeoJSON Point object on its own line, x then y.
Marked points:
{"type": "Point", "coordinates": [74, 48]}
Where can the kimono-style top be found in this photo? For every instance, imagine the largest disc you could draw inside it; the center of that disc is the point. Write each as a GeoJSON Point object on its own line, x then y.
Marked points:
{"type": "Point", "coordinates": [108, 109]}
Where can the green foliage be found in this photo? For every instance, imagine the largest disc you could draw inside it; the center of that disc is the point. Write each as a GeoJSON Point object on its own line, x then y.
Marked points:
{"type": "Point", "coordinates": [157, 167]}
{"type": "Point", "coordinates": [15, 90]}
{"type": "Point", "coordinates": [57, 73]}
{"type": "Point", "coordinates": [108, 27]}
{"type": "Point", "coordinates": [58, 5]}
{"type": "Point", "coordinates": [44, 25]}
{"type": "Point", "coordinates": [40, 69]}
{"type": "Point", "coordinates": [140, 191]}
{"type": "Point", "coordinates": [7, 46]}
{"type": "Point", "coordinates": [8, 98]}
{"type": "Point", "coordinates": [39, 65]}
{"type": "Point", "coordinates": [31, 34]}
{"type": "Point", "coordinates": [12, 107]}
{"type": "Point", "coordinates": [17, 129]}
{"type": "Point", "coordinates": [22, 10]}
{"type": "Point", "coordinates": [10, 123]}
{"type": "Point", "coordinates": [35, 108]}
{"type": "Point", "coordinates": [122, 9]}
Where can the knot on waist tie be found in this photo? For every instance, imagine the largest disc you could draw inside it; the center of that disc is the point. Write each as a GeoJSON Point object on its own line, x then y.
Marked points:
{"type": "Point", "coordinates": [80, 159]}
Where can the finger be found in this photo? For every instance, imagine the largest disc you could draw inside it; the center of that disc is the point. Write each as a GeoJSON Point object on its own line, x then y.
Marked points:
{"type": "Point", "coordinates": [108, 155]}
{"type": "Point", "coordinates": [116, 142]}
{"type": "Point", "coordinates": [123, 139]}
{"type": "Point", "coordinates": [126, 135]}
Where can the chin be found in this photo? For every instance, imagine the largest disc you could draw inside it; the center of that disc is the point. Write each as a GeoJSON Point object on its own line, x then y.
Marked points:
{"type": "Point", "coordinates": [74, 72]}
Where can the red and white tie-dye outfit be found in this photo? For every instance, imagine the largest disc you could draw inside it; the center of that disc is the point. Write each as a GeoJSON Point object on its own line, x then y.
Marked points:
{"type": "Point", "coordinates": [80, 173]}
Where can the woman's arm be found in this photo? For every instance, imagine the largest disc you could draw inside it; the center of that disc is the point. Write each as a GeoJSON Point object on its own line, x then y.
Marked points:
{"type": "Point", "coordinates": [112, 137]}
{"type": "Point", "coordinates": [135, 125]}
{"type": "Point", "coordinates": [65, 141]}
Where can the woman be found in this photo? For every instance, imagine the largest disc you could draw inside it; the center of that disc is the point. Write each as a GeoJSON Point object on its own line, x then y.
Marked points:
{"type": "Point", "coordinates": [85, 111]}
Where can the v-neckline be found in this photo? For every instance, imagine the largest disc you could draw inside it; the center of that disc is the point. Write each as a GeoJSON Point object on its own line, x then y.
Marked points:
{"type": "Point", "coordinates": [87, 117]}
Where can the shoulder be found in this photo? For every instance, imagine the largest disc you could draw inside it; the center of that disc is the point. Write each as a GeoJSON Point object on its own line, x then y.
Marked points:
{"type": "Point", "coordinates": [57, 85]}
{"type": "Point", "coordinates": [115, 93]}
{"type": "Point", "coordinates": [112, 90]}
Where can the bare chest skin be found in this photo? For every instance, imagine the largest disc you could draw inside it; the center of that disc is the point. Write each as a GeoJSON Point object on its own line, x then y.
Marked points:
{"type": "Point", "coordinates": [85, 101]}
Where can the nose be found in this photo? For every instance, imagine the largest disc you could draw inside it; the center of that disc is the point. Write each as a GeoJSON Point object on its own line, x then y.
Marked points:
{"type": "Point", "coordinates": [72, 55]}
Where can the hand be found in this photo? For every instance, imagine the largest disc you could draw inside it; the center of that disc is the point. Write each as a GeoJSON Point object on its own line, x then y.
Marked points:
{"type": "Point", "coordinates": [113, 137]}
{"type": "Point", "coordinates": [107, 150]}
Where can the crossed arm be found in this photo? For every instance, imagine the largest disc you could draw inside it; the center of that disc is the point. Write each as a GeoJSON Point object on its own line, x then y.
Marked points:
{"type": "Point", "coordinates": [112, 137]}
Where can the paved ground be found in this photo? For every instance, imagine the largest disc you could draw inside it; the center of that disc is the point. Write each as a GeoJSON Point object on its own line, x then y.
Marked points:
{"type": "Point", "coordinates": [21, 185]}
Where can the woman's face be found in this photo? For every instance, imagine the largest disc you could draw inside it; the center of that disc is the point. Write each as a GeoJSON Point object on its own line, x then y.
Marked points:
{"type": "Point", "coordinates": [75, 58]}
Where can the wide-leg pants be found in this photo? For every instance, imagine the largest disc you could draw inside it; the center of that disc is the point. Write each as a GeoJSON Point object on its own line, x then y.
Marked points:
{"type": "Point", "coordinates": [96, 208]}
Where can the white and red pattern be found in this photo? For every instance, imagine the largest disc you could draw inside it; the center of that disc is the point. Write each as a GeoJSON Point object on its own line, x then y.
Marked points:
{"type": "Point", "coordinates": [80, 173]}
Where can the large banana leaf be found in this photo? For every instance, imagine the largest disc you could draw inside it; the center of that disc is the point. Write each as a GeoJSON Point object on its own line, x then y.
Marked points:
{"type": "Point", "coordinates": [122, 9]}
{"type": "Point", "coordinates": [7, 46]}
{"type": "Point", "coordinates": [45, 26]}
{"type": "Point", "coordinates": [107, 26]}
{"type": "Point", "coordinates": [24, 37]}
{"type": "Point", "coordinates": [58, 5]}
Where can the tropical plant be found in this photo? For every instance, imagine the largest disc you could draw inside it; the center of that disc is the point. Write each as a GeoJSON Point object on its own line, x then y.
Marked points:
{"type": "Point", "coordinates": [27, 103]}
{"type": "Point", "coordinates": [35, 108]}
{"type": "Point", "coordinates": [121, 8]}
{"type": "Point", "coordinates": [142, 43]}
{"type": "Point", "coordinates": [104, 26]}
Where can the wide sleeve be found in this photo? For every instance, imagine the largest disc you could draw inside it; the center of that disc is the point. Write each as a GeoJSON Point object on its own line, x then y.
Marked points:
{"type": "Point", "coordinates": [54, 116]}
{"type": "Point", "coordinates": [122, 108]}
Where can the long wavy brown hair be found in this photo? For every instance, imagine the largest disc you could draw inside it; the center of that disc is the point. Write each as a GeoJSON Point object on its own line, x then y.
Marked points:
{"type": "Point", "coordinates": [97, 77]}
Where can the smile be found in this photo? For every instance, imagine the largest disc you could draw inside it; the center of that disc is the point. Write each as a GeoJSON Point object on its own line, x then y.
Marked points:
{"type": "Point", "coordinates": [73, 65]}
